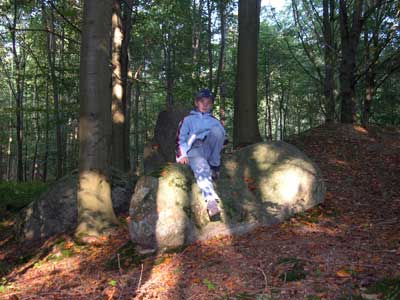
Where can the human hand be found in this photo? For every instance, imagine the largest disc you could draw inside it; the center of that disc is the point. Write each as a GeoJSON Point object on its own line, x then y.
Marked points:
{"type": "Point", "coordinates": [184, 160]}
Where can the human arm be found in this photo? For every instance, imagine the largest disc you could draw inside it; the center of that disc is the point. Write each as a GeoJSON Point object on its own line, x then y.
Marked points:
{"type": "Point", "coordinates": [182, 138]}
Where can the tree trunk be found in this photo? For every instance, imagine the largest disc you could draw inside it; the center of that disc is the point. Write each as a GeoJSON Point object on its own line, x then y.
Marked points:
{"type": "Point", "coordinates": [18, 63]}
{"type": "Point", "coordinates": [36, 129]}
{"type": "Point", "coordinates": [51, 58]}
{"type": "Point", "coordinates": [350, 35]}
{"type": "Point", "coordinates": [168, 65]}
{"type": "Point", "coordinates": [196, 42]}
{"type": "Point", "coordinates": [118, 107]}
{"type": "Point", "coordinates": [268, 121]}
{"type": "Point", "coordinates": [46, 142]}
{"type": "Point", "coordinates": [95, 211]}
{"type": "Point", "coordinates": [329, 57]}
{"type": "Point", "coordinates": [245, 123]}
{"type": "Point", "coordinates": [371, 58]}
{"type": "Point", "coordinates": [219, 83]}
{"type": "Point", "coordinates": [209, 48]}
{"type": "Point", "coordinates": [137, 132]}
{"type": "Point", "coordinates": [126, 78]}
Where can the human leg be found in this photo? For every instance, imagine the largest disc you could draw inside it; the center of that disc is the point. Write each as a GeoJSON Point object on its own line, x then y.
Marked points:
{"type": "Point", "coordinates": [213, 145]}
{"type": "Point", "coordinates": [202, 173]}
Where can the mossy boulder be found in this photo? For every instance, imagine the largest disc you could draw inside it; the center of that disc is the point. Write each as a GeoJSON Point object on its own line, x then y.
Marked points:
{"type": "Point", "coordinates": [261, 184]}
{"type": "Point", "coordinates": [56, 210]}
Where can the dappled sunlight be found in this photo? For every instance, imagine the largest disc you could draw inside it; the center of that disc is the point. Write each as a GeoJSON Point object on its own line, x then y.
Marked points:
{"type": "Point", "coordinates": [117, 116]}
{"type": "Point", "coordinates": [231, 167]}
{"type": "Point", "coordinates": [117, 93]}
{"type": "Point", "coordinates": [286, 184]}
{"type": "Point", "coordinates": [360, 129]}
{"type": "Point", "coordinates": [291, 180]}
{"type": "Point", "coordinates": [94, 203]}
{"type": "Point", "coordinates": [336, 161]}
{"type": "Point", "coordinates": [263, 156]}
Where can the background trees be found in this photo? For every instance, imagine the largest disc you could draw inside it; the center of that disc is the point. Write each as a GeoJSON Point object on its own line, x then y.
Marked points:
{"type": "Point", "coordinates": [169, 50]}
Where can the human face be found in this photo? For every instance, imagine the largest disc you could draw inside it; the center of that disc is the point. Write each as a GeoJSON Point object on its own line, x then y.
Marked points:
{"type": "Point", "coordinates": [204, 104]}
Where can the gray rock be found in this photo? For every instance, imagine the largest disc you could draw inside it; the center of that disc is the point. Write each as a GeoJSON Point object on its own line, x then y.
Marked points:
{"type": "Point", "coordinates": [261, 184]}
{"type": "Point", "coordinates": [56, 210]}
{"type": "Point", "coordinates": [162, 148]}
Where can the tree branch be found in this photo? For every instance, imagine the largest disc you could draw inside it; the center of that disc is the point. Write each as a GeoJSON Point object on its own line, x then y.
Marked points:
{"type": "Point", "coordinates": [64, 18]}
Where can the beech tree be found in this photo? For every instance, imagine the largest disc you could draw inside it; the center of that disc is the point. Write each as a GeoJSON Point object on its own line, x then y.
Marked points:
{"type": "Point", "coordinates": [245, 122]}
{"type": "Point", "coordinates": [95, 212]}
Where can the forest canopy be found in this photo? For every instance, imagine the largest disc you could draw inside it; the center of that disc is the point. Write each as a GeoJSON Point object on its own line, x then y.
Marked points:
{"type": "Point", "coordinates": [317, 61]}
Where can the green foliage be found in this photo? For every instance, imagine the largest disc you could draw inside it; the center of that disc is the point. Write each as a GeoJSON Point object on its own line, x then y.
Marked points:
{"type": "Point", "coordinates": [15, 196]}
{"type": "Point", "coordinates": [389, 288]}
{"type": "Point", "coordinates": [209, 284]}
{"type": "Point", "coordinates": [112, 282]}
{"type": "Point", "coordinates": [295, 270]}
{"type": "Point", "coordinates": [126, 256]}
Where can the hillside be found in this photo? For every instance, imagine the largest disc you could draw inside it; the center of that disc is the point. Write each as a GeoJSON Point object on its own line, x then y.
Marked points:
{"type": "Point", "coordinates": [347, 248]}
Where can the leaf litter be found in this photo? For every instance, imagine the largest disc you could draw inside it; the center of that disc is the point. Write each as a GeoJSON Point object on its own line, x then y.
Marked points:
{"type": "Point", "coordinates": [346, 248]}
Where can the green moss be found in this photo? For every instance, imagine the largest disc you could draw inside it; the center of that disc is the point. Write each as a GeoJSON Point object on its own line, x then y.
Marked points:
{"type": "Point", "coordinates": [296, 270]}
{"type": "Point", "coordinates": [15, 196]}
{"type": "Point", "coordinates": [126, 256]}
{"type": "Point", "coordinates": [388, 287]}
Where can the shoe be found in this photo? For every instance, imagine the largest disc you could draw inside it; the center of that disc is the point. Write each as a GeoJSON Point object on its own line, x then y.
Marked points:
{"type": "Point", "coordinates": [215, 173]}
{"type": "Point", "coordinates": [213, 208]}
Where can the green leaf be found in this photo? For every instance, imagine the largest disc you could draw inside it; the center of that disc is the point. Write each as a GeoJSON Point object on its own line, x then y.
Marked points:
{"type": "Point", "coordinates": [210, 285]}
{"type": "Point", "coordinates": [112, 282]}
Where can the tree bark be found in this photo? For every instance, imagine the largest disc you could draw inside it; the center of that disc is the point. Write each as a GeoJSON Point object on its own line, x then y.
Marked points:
{"type": "Point", "coordinates": [196, 42]}
{"type": "Point", "coordinates": [19, 63]}
{"type": "Point", "coordinates": [168, 65]}
{"type": "Point", "coordinates": [209, 47]}
{"type": "Point", "coordinates": [220, 79]}
{"type": "Point", "coordinates": [51, 58]}
{"type": "Point", "coordinates": [118, 107]}
{"type": "Point", "coordinates": [350, 36]}
{"type": "Point", "coordinates": [245, 122]}
{"type": "Point", "coordinates": [95, 212]}
{"type": "Point", "coordinates": [127, 76]}
{"type": "Point", "coordinates": [268, 121]}
{"type": "Point", "coordinates": [37, 130]}
{"type": "Point", "coordinates": [46, 142]}
{"type": "Point", "coordinates": [329, 57]}
{"type": "Point", "coordinates": [137, 132]}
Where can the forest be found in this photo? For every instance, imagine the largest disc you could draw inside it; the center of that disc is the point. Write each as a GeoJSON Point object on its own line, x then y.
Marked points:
{"type": "Point", "coordinates": [318, 61]}
{"type": "Point", "coordinates": [83, 83]}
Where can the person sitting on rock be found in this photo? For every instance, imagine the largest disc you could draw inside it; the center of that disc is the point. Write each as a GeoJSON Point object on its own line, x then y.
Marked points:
{"type": "Point", "coordinates": [200, 139]}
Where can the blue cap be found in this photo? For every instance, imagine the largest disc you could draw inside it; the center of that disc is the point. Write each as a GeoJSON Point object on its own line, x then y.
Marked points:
{"type": "Point", "coordinates": [204, 93]}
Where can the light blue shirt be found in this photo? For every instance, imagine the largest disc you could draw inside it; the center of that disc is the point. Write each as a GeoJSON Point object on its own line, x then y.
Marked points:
{"type": "Point", "coordinates": [195, 126]}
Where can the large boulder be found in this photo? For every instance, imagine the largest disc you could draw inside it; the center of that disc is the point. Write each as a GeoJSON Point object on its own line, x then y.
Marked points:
{"type": "Point", "coordinates": [56, 211]}
{"type": "Point", "coordinates": [261, 184]}
{"type": "Point", "coordinates": [161, 149]}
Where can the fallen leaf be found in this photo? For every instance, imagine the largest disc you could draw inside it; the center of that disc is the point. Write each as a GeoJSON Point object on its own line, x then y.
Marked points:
{"type": "Point", "coordinates": [343, 273]}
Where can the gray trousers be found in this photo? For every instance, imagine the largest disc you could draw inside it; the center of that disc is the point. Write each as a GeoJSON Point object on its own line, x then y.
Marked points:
{"type": "Point", "coordinates": [202, 155]}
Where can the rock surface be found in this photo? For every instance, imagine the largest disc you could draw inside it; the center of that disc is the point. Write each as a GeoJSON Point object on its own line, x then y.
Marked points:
{"type": "Point", "coordinates": [261, 184]}
{"type": "Point", "coordinates": [56, 210]}
{"type": "Point", "coordinates": [162, 148]}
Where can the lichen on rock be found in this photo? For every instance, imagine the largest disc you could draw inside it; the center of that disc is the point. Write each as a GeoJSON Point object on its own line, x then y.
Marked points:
{"type": "Point", "coordinates": [261, 184]}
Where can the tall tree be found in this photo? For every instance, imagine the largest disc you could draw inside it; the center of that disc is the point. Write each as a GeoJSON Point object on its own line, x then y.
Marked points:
{"type": "Point", "coordinates": [118, 108]}
{"type": "Point", "coordinates": [220, 84]}
{"type": "Point", "coordinates": [379, 35]}
{"type": "Point", "coordinates": [48, 22]}
{"type": "Point", "coordinates": [95, 212]}
{"type": "Point", "coordinates": [329, 58]}
{"type": "Point", "coordinates": [18, 90]}
{"type": "Point", "coordinates": [245, 122]}
{"type": "Point", "coordinates": [350, 30]}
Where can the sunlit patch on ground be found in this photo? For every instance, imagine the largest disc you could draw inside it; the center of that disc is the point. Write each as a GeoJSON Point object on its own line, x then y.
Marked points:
{"type": "Point", "coordinates": [346, 248]}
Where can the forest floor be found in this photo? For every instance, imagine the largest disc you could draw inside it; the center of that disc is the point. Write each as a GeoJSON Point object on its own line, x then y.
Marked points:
{"type": "Point", "coordinates": [346, 248]}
